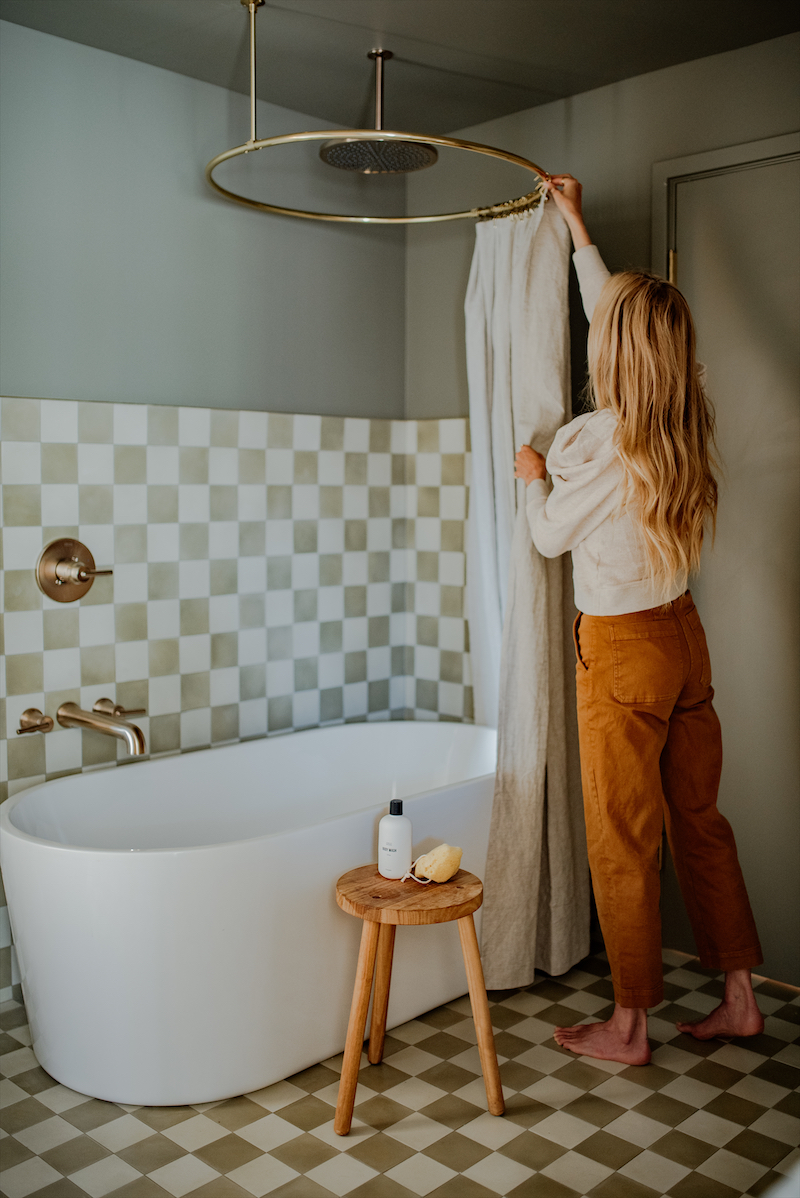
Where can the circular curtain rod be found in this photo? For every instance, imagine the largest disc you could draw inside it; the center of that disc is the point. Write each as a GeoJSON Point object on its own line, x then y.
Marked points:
{"type": "Point", "coordinates": [487, 212]}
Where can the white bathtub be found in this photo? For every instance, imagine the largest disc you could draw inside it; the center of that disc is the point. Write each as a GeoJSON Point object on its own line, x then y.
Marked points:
{"type": "Point", "coordinates": [175, 921]}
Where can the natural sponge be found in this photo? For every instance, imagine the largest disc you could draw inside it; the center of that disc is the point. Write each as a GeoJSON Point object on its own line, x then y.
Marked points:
{"type": "Point", "coordinates": [439, 864]}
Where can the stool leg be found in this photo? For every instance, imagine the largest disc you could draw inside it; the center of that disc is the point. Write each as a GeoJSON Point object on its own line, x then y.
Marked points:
{"type": "Point", "coordinates": [355, 1028]}
{"type": "Point", "coordinates": [380, 999]}
{"type": "Point", "coordinates": [480, 1013]}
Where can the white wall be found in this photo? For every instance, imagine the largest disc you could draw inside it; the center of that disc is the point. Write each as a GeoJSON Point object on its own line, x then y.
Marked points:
{"type": "Point", "coordinates": [609, 139]}
{"type": "Point", "coordinates": [126, 278]}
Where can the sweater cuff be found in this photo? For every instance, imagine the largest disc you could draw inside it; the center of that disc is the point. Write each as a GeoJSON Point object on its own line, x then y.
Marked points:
{"type": "Point", "coordinates": [535, 499]}
{"type": "Point", "coordinates": [592, 276]}
{"type": "Point", "coordinates": [536, 495]}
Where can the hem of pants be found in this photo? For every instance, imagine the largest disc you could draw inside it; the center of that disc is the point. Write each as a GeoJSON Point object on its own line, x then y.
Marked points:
{"type": "Point", "coordinates": [627, 997]}
{"type": "Point", "coordinates": [745, 959]}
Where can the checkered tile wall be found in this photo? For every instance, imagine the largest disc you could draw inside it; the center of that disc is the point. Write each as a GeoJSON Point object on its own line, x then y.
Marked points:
{"type": "Point", "coordinates": [271, 572]}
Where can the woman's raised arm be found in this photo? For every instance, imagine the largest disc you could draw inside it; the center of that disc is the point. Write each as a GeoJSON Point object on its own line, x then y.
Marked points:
{"type": "Point", "coordinates": [566, 191]}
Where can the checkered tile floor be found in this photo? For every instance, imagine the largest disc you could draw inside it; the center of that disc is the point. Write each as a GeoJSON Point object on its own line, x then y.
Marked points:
{"type": "Point", "coordinates": [713, 1120]}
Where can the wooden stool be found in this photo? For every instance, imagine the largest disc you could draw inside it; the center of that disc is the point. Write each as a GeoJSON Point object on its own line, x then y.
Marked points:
{"type": "Point", "coordinates": [383, 904]}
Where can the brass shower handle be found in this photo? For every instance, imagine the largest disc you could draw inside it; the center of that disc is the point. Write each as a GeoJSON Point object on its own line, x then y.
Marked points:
{"type": "Point", "coordinates": [32, 720]}
{"type": "Point", "coordinates": [70, 571]}
{"type": "Point", "coordinates": [109, 707]}
{"type": "Point", "coordinates": [66, 570]}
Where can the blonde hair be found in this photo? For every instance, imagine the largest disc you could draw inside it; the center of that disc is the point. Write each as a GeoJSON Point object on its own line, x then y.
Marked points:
{"type": "Point", "coordinates": [642, 365]}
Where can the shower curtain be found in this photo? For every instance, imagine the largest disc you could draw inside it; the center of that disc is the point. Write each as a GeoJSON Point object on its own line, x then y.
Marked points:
{"type": "Point", "coordinates": [536, 904]}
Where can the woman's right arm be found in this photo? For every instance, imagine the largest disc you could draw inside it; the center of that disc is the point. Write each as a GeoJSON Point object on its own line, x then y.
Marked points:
{"type": "Point", "coordinates": [566, 191]}
{"type": "Point", "coordinates": [592, 271]}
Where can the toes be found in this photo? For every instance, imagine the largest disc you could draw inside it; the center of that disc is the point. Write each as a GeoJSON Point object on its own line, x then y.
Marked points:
{"type": "Point", "coordinates": [693, 1029]}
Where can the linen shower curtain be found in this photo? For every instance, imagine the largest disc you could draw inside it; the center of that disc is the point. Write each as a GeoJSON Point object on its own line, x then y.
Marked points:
{"type": "Point", "coordinates": [536, 904]}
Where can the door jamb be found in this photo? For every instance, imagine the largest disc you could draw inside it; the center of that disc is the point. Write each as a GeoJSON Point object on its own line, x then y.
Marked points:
{"type": "Point", "coordinates": [668, 174]}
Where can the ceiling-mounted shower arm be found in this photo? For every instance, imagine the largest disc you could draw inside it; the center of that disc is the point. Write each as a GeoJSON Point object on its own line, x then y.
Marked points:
{"type": "Point", "coordinates": [379, 56]}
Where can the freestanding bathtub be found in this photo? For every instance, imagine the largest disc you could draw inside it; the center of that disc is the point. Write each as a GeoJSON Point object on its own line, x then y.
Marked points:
{"type": "Point", "coordinates": [175, 920]}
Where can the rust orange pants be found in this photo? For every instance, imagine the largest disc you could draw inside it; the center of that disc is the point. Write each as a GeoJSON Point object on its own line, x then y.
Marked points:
{"type": "Point", "coordinates": [651, 754]}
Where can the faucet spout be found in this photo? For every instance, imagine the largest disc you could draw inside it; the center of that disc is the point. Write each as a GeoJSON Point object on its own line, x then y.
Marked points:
{"type": "Point", "coordinates": [69, 715]}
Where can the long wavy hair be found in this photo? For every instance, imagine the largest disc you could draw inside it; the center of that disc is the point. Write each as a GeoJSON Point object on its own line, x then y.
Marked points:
{"type": "Point", "coordinates": [642, 365]}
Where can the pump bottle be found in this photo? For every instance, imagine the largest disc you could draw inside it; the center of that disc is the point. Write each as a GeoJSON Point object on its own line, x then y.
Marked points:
{"type": "Point", "coordinates": [394, 842]}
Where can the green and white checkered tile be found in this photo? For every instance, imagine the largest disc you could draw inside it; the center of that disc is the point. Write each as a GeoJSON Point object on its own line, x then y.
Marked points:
{"type": "Point", "coordinates": [704, 1120]}
{"type": "Point", "coordinates": [271, 572]}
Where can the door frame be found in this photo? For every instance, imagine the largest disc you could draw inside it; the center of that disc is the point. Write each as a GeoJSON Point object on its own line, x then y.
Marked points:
{"type": "Point", "coordinates": [668, 174]}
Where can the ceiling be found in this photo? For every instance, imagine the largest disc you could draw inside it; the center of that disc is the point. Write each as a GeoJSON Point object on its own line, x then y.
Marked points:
{"type": "Point", "coordinates": [457, 62]}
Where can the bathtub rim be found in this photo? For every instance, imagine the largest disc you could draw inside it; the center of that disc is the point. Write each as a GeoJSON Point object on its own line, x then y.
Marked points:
{"type": "Point", "coordinates": [7, 828]}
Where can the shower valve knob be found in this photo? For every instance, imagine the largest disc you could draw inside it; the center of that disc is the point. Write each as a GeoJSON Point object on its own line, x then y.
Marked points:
{"type": "Point", "coordinates": [66, 570]}
{"type": "Point", "coordinates": [32, 720]}
{"type": "Point", "coordinates": [77, 572]}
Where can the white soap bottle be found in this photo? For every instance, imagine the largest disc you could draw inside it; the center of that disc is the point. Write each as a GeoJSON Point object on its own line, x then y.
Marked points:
{"type": "Point", "coordinates": [394, 842]}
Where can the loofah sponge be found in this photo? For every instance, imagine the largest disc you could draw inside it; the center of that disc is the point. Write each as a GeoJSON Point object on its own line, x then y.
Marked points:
{"type": "Point", "coordinates": [439, 864]}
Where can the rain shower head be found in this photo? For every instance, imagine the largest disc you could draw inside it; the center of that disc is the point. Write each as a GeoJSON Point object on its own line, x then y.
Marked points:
{"type": "Point", "coordinates": [378, 156]}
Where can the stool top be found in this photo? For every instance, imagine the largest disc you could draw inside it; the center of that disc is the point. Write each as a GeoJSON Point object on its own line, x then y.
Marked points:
{"type": "Point", "coordinates": [363, 892]}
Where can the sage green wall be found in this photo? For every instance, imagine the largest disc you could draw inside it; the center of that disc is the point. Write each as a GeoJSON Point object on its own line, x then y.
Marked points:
{"type": "Point", "coordinates": [125, 278]}
{"type": "Point", "coordinates": [609, 139]}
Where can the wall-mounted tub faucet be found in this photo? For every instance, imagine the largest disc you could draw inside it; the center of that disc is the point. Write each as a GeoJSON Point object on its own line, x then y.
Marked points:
{"type": "Point", "coordinates": [107, 718]}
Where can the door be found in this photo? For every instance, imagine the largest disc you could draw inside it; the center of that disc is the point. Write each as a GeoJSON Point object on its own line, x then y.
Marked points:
{"type": "Point", "coordinates": [736, 257]}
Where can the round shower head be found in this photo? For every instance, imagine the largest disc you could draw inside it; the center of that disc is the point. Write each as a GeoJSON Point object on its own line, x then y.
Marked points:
{"type": "Point", "coordinates": [382, 157]}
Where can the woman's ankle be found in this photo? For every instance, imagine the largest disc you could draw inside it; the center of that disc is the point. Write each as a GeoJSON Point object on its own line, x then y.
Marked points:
{"type": "Point", "coordinates": [738, 984]}
{"type": "Point", "coordinates": [630, 1021]}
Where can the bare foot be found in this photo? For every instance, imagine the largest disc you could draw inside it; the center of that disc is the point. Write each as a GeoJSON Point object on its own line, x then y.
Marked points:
{"type": "Point", "coordinates": [736, 1015]}
{"type": "Point", "coordinates": [621, 1038]}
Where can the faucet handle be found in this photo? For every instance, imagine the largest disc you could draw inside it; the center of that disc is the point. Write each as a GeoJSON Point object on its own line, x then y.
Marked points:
{"type": "Point", "coordinates": [109, 707]}
{"type": "Point", "coordinates": [32, 720]}
{"type": "Point", "coordinates": [77, 572]}
{"type": "Point", "coordinates": [65, 570]}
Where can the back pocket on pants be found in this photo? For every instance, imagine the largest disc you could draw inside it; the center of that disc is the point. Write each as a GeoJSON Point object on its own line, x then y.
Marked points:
{"type": "Point", "coordinates": [648, 664]}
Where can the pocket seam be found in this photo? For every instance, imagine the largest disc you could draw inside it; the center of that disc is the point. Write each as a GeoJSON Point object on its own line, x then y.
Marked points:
{"type": "Point", "coordinates": [696, 625]}
{"type": "Point", "coordinates": [576, 642]}
{"type": "Point", "coordinates": [651, 632]}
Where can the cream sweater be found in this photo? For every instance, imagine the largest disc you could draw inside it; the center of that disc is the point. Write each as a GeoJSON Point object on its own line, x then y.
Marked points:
{"type": "Point", "coordinates": [580, 513]}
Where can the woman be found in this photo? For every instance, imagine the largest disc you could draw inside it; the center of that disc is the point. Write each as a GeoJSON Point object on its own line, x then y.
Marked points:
{"type": "Point", "coordinates": [632, 489]}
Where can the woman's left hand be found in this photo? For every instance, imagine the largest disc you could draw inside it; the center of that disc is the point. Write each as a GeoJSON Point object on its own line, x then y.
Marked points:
{"type": "Point", "coordinates": [528, 464]}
